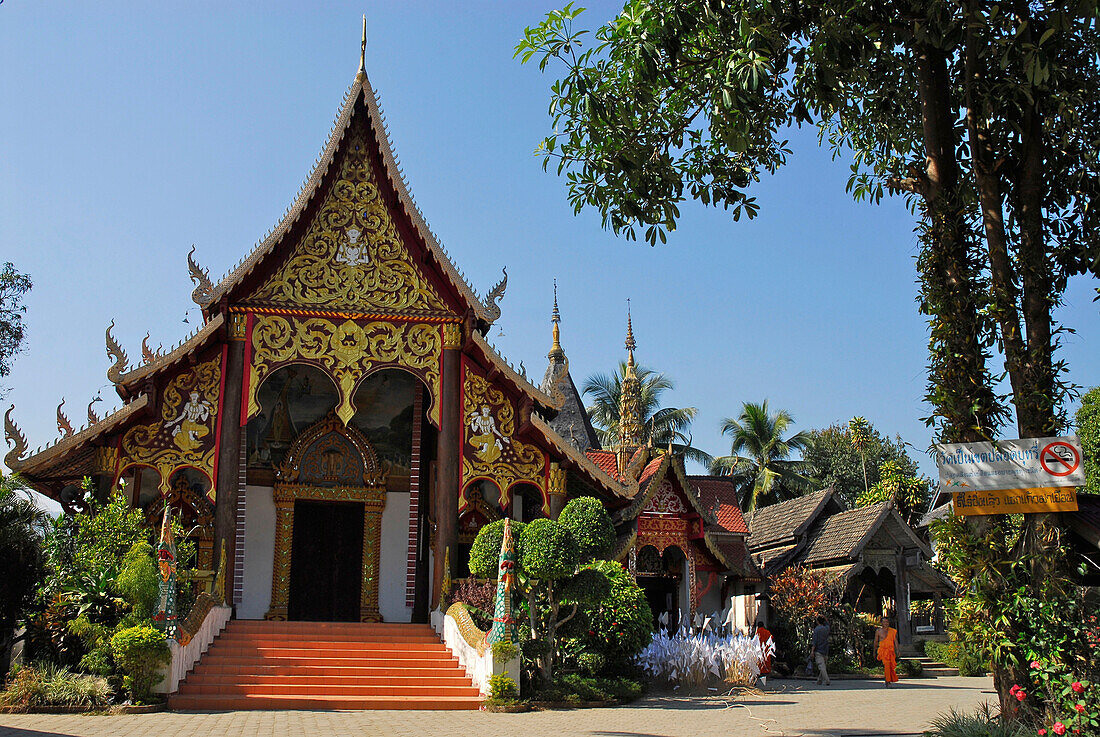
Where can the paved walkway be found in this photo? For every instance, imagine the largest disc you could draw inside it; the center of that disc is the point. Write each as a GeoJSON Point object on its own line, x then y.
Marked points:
{"type": "Point", "coordinates": [787, 709]}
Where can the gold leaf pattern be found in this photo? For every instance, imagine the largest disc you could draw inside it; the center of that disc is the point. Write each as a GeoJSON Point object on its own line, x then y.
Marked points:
{"type": "Point", "coordinates": [351, 257]}
{"type": "Point", "coordinates": [489, 448]}
{"type": "Point", "coordinates": [347, 351]}
{"type": "Point", "coordinates": [184, 435]}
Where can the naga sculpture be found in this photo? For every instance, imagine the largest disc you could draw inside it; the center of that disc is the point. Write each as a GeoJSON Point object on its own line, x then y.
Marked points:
{"type": "Point", "coordinates": [492, 299]}
{"type": "Point", "coordinates": [203, 293]}
{"type": "Point", "coordinates": [114, 350]}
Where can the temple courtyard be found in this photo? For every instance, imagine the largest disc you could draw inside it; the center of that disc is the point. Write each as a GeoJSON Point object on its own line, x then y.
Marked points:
{"type": "Point", "coordinates": [787, 709]}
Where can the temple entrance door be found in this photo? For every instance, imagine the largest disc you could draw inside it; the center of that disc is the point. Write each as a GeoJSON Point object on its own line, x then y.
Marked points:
{"type": "Point", "coordinates": [326, 561]}
{"type": "Point", "coordinates": [661, 593]}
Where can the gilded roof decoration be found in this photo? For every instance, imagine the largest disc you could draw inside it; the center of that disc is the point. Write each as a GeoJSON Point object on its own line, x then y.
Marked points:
{"type": "Point", "coordinates": [93, 418]}
{"type": "Point", "coordinates": [114, 350]}
{"type": "Point", "coordinates": [347, 351]}
{"type": "Point", "coordinates": [203, 294]}
{"type": "Point", "coordinates": [185, 348]}
{"type": "Point", "coordinates": [63, 425]}
{"type": "Point", "coordinates": [352, 256]}
{"type": "Point", "coordinates": [184, 434]}
{"type": "Point", "coordinates": [492, 299]}
{"type": "Point", "coordinates": [15, 438]}
{"type": "Point", "coordinates": [490, 449]}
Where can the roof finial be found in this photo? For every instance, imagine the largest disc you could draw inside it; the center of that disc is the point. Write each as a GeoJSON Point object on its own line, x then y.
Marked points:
{"type": "Point", "coordinates": [363, 48]}
{"type": "Point", "coordinates": [555, 318]}
{"type": "Point", "coordinates": [630, 344]}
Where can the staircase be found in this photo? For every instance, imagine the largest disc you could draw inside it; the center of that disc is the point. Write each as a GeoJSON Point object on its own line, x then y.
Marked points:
{"type": "Point", "coordinates": [326, 665]}
{"type": "Point", "coordinates": [933, 669]}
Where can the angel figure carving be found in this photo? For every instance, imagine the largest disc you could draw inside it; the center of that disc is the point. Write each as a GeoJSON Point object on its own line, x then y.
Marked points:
{"type": "Point", "coordinates": [190, 427]}
{"type": "Point", "coordinates": [353, 253]}
{"type": "Point", "coordinates": [485, 436]}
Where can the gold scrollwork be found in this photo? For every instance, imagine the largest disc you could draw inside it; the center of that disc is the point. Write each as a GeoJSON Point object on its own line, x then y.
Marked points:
{"type": "Point", "coordinates": [184, 434]}
{"type": "Point", "coordinates": [352, 256]}
{"type": "Point", "coordinates": [346, 350]}
{"type": "Point", "coordinates": [490, 449]}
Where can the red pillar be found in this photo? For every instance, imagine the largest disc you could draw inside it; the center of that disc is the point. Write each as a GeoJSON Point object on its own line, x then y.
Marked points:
{"type": "Point", "coordinates": [447, 455]}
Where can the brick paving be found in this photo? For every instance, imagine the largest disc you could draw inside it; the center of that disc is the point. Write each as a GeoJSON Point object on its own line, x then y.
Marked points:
{"type": "Point", "coordinates": [787, 709]}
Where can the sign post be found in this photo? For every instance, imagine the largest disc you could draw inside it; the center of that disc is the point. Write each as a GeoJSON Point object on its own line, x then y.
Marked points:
{"type": "Point", "coordinates": [1029, 476]}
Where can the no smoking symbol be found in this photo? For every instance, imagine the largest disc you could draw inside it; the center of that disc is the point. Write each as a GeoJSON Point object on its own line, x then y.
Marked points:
{"type": "Point", "coordinates": [1059, 459]}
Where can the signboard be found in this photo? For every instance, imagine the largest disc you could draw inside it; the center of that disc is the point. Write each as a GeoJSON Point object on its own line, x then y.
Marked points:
{"type": "Point", "coordinates": [1015, 501]}
{"type": "Point", "coordinates": [1032, 463]}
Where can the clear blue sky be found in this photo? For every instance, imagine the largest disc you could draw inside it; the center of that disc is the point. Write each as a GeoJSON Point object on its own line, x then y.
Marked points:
{"type": "Point", "coordinates": [132, 130]}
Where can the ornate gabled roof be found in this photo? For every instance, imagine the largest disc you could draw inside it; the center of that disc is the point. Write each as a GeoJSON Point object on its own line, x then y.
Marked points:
{"type": "Point", "coordinates": [207, 294]}
{"type": "Point", "coordinates": [654, 473]}
{"type": "Point", "coordinates": [582, 461]}
{"type": "Point", "coordinates": [188, 346]}
{"type": "Point", "coordinates": [719, 494]}
{"type": "Point", "coordinates": [520, 381]}
{"type": "Point", "coordinates": [55, 452]}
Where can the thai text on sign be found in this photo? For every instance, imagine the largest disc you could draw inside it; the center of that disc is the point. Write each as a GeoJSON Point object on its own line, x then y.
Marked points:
{"type": "Point", "coordinates": [1016, 501]}
{"type": "Point", "coordinates": [1031, 463]}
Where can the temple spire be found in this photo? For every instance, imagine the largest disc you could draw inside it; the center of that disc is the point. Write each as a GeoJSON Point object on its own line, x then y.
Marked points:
{"type": "Point", "coordinates": [363, 48]}
{"type": "Point", "coordinates": [556, 351]}
{"type": "Point", "coordinates": [630, 413]}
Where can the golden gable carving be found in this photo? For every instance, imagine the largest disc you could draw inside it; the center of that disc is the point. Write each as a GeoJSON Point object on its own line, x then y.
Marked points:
{"type": "Point", "coordinates": [351, 257]}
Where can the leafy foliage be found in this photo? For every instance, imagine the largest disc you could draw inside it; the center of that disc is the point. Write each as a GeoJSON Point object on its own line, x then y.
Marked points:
{"type": "Point", "coordinates": [547, 551]}
{"type": "Point", "coordinates": [836, 460]}
{"type": "Point", "coordinates": [22, 563]}
{"type": "Point", "coordinates": [617, 626]}
{"type": "Point", "coordinates": [909, 493]}
{"type": "Point", "coordinates": [503, 688]}
{"type": "Point", "coordinates": [956, 655]}
{"type": "Point", "coordinates": [140, 652]}
{"type": "Point", "coordinates": [40, 685]}
{"type": "Point", "coordinates": [1087, 420]}
{"type": "Point", "coordinates": [760, 457]}
{"type": "Point", "coordinates": [13, 287]}
{"type": "Point", "coordinates": [799, 597]}
{"type": "Point", "coordinates": [590, 525]}
{"type": "Point", "coordinates": [661, 426]}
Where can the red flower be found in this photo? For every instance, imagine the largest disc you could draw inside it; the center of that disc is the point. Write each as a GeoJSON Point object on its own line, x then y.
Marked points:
{"type": "Point", "coordinates": [1042, 732]}
{"type": "Point", "coordinates": [1077, 687]}
{"type": "Point", "coordinates": [1080, 708]}
{"type": "Point", "coordinates": [1035, 665]}
{"type": "Point", "coordinates": [1058, 729]}
{"type": "Point", "coordinates": [1014, 689]}
{"type": "Point", "coordinates": [1021, 695]}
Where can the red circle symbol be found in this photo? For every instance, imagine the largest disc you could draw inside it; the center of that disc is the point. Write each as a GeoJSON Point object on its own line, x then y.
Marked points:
{"type": "Point", "coordinates": [1060, 459]}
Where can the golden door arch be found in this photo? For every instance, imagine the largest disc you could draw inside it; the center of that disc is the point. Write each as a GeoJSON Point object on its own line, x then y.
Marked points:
{"type": "Point", "coordinates": [329, 462]}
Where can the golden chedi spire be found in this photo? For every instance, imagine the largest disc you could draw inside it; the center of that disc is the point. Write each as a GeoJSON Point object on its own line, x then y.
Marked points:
{"type": "Point", "coordinates": [556, 353]}
{"type": "Point", "coordinates": [630, 402]}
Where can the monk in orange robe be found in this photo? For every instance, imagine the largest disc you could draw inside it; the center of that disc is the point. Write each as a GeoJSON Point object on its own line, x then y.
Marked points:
{"type": "Point", "coordinates": [767, 647]}
{"type": "Point", "coordinates": [886, 639]}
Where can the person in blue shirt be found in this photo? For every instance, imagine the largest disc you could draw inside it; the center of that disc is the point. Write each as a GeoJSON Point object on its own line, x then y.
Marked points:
{"type": "Point", "coordinates": [820, 650]}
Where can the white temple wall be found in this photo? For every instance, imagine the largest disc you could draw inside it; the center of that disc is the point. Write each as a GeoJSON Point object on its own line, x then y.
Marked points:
{"type": "Point", "coordinates": [395, 551]}
{"type": "Point", "coordinates": [259, 552]}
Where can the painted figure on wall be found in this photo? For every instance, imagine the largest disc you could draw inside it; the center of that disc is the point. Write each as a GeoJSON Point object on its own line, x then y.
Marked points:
{"type": "Point", "coordinates": [190, 426]}
{"type": "Point", "coordinates": [353, 253]}
{"type": "Point", "coordinates": [485, 436]}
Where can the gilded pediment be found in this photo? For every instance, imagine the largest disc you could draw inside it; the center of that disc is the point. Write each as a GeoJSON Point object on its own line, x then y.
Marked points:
{"type": "Point", "coordinates": [352, 256]}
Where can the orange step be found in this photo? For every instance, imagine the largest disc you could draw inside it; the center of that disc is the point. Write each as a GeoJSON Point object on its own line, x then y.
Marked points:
{"type": "Point", "coordinates": [326, 665]}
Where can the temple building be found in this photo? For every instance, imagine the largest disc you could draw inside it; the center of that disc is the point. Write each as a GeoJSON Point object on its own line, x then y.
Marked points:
{"type": "Point", "coordinates": [340, 426]}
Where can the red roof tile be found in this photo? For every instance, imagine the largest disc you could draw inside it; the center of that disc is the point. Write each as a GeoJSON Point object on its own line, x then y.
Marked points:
{"type": "Point", "coordinates": [720, 495]}
{"type": "Point", "coordinates": [606, 460]}
{"type": "Point", "coordinates": [650, 469]}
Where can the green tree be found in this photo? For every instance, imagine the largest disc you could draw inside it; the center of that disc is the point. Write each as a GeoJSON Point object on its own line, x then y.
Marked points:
{"type": "Point", "coordinates": [1087, 420]}
{"type": "Point", "coordinates": [909, 493]}
{"type": "Point", "coordinates": [760, 457]}
{"type": "Point", "coordinates": [661, 426]}
{"type": "Point", "coordinates": [23, 527]}
{"type": "Point", "coordinates": [587, 519]}
{"type": "Point", "coordinates": [858, 429]}
{"type": "Point", "coordinates": [13, 287]}
{"type": "Point", "coordinates": [835, 461]}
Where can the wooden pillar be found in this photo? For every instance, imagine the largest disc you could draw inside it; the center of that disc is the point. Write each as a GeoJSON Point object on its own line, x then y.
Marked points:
{"type": "Point", "coordinates": [447, 456]}
{"type": "Point", "coordinates": [229, 451]}
{"type": "Point", "coordinates": [558, 492]}
{"type": "Point", "coordinates": [901, 599]}
{"type": "Point", "coordinates": [937, 613]}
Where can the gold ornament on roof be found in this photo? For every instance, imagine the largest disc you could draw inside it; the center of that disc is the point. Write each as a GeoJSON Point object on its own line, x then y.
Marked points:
{"type": "Point", "coordinates": [203, 293]}
{"type": "Point", "coordinates": [15, 439]}
{"type": "Point", "coordinates": [347, 351]}
{"type": "Point", "coordinates": [63, 425]}
{"type": "Point", "coordinates": [351, 256]}
{"type": "Point", "coordinates": [114, 350]}
{"type": "Point", "coordinates": [492, 299]}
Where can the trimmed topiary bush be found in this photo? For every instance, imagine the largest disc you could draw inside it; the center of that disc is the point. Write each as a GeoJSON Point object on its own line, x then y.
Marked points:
{"type": "Point", "coordinates": [548, 550]}
{"type": "Point", "coordinates": [485, 551]}
{"type": "Point", "coordinates": [590, 524]}
{"type": "Point", "coordinates": [621, 624]}
{"type": "Point", "coordinates": [140, 652]}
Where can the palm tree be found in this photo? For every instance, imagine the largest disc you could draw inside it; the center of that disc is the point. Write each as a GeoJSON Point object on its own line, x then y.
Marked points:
{"type": "Point", "coordinates": [661, 426]}
{"type": "Point", "coordinates": [23, 527]}
{"type": "Point", "coordinates": [765, 472]}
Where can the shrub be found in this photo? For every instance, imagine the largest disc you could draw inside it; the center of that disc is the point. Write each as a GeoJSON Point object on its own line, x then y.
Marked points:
{"type": "Point", "coordinates": [51, 685]}
{"type": "Point", "coordinates": [575, 688]}
{"type": "Point", "coordinates": [477, 594]}
{"type": "Point", "coordinates": [982, 723]}
{"type": "Point", "coordinates": [911, 668]}
{"type": "Point", "coordinates": [620, 625]}
{"type": "Point", "coordinates": [956, 655]}
{"type": "Point", "coordinates": [505, 651]}
{"type": "Point", "coordinates": [590, 524]}
{"type": "Point", "coordinates": [140, 653]}
{"type": "Point", "coordinates": [503, 688]}
{"type": "Point", "coordinates": [137, 581]}
{"type": "Point", "coordinates": [591, 663]}
{"type": "Point", "coordinates": [547, 550]}
{"type": "Point", "coordinates": [485, 551]}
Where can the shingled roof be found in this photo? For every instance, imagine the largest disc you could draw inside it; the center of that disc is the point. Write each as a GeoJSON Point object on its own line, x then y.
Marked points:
{"type": "Point", "coordinates": [719, 494]}
{"type": "Point", "coordinates": [841, 535]}
{"type": "Point", "coordinates": [781, 524]}
{"type": "Point", "coordinates": [571, 421]}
